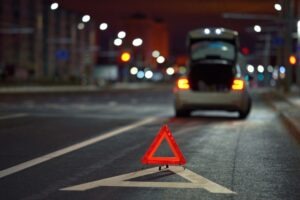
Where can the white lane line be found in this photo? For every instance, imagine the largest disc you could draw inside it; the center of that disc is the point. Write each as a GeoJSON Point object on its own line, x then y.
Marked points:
{"type": "Point", "coordinates": [195, 181]}
{"type": "Point", "coordinates": [17, 115]}
{"type": "Point", "coordinates": [74, 147]}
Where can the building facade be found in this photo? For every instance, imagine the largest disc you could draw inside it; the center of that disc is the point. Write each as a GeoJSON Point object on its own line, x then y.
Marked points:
{"type": "Point", "coordinates": [155, 36]}
{"type": "Point", "coordinates": [37, 42]}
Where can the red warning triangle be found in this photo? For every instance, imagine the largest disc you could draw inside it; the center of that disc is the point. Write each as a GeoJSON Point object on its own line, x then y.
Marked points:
{"type": "Point", "coordinates": [178, 158]}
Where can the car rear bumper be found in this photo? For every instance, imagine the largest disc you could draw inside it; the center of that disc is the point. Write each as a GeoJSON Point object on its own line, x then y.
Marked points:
{"type": "Point", "coordinates": [229, 101]}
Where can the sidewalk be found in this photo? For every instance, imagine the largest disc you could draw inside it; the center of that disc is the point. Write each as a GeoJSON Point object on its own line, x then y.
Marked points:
{"type": "Point", "coordinates": [291, 116]}
{"type": "Point", "coordinates": [74, 88]}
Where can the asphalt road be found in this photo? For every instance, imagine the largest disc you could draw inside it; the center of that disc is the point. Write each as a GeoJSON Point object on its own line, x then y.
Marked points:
{"type": "Point", "coordinates": [50, 142]}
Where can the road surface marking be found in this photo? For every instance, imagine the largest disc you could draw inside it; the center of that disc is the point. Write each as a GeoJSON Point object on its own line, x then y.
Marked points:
{"type": "Point", "coordinates": [74, 147]}
{"type": "Point", "coordinates": [196, 181]}
{"type": "Point", "coordinates": [13, 116]}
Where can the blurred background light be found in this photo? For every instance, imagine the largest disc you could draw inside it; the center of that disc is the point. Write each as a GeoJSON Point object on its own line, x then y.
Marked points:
{"type": "Point", "coordinates": [270, 68]}
{"type": "Point", "coordinates": [118, 42]}
{"type": "Point", "coordinates": [134, 70]}
{"type": "Point", "coordinates": [292, 60]}
{"type": "Point", "coordinates": [103, 26]}
{"type": "Point", "coordinates": [148, 74]}
{"type": "Point", "coordinates": [260, 69]}
{"type": "Point", "coordinates": [137, 42]}
{"type": "Point", "coordinates": [218, 31]}
{"type": "Point", "coordinates": [170, 71]}
{"type": "Point", "coordinates": [257, 28]}
{"type": "Point", "coordinates": [206, 31]}
{"type": "Point", "coordinates": [125, 57]}
{"type": "Point", "coordinates": [282, 70]}
{"type": "Point", "coordinates": [122, 34]}
{"type": "Point", "coordinates": [250, 68]}
{"type": "Point", "coordinates": [155, 53]}
{"type": "Point", "coordinates": [160, 59]}
{"type": "Point", "coordinates": [277, 6]}
{"type": "Point", "coordinates": [86, 18]}
{"type": "Point", "coordinates": [140, 74]}
{"type": "Point", "coordinates": [182, 70]}
{"type": "Point", "coordinates": [260, 77]}
{"type": "Point", "coordinates": [80, 26]}
{"type": "Point", "coordinates": [54, 6]}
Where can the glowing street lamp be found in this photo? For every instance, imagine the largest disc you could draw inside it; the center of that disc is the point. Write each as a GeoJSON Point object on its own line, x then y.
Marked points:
{"type": "Point", "coordinates": [137, 42]}
{"type": "Point", "coordinates": [277, 6]}
{"type": "Point", "coordinates": [118, 42]}
{"type": "Point", "coordinates": [257, 28]}
{"type": "Point", "coordinates": [54, 6]}
{"type": "Point", "coordinates": [103, 26]}
{"type": "Point", "coordinates": [86, 18]}
{"type": "Point", "coordinates": [122, 34]}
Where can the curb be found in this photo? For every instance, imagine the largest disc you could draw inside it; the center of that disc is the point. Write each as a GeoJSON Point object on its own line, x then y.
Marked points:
{"type": "Point", "coordinates": [292, 123]}
{"type": "Point", "coordinates": [60, 89]}
{"type": "Point", "coordinates": [290, 117]}
{"type": "Point", "coordinates": [47, 89]}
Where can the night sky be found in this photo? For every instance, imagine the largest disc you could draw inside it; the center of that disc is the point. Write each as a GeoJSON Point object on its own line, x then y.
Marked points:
{"type": "Point", "coordinates": [179, 15]}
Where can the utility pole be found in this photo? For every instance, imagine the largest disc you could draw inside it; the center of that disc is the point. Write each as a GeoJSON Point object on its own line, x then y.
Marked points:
{"type": "Point", "coordinates": [298, 48]}
{"type": "Point", "coordinates": [288, 17]}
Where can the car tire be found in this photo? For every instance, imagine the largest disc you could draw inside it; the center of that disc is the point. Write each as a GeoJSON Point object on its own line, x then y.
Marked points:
{"type": "Point", "coordinates": [182, 113]}
{"type": "Point", "coordinates": [245, 113]}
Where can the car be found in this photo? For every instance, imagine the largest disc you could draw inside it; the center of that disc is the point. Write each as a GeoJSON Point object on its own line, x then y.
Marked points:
{"type": "Point", "coordinates": [214, 80]}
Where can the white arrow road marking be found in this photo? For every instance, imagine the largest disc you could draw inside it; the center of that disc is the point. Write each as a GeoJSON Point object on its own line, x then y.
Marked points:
{"type": "Point", "coordinates": [196, 181]}
{"type": "Point", "coordinates": [74, 147]}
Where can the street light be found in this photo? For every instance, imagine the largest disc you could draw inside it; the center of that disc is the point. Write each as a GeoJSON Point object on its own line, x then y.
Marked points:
{"type": "Point", "coordinates": [54, 6]}
{"type": "Point", "coordinates": [103, 26]}
{"type": "Point", "coordinates": [277, 7]}
{"type": "Point", "coordinates": [137, 42]}
{"type": "Point", "coordinates": [122, 34]}
{"type": "Point", "coordinates": [118, 42]}
{"type": "Point", "coordinates": [86, 18]}
{"type": "Point", "coordinates": [257, 28]}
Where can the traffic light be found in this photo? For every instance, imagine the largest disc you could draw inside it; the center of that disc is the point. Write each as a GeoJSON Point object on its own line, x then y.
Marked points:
{"type": "Point", "coordinates": [292, 60]}
{"type": "Point", "coordinates": [125, 56]}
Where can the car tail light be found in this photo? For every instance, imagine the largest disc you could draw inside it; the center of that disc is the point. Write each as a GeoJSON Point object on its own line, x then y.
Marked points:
{"type": "Point", "coordinates": [238, 84]}
{"type": "Point", "coordinates": [183, 84]}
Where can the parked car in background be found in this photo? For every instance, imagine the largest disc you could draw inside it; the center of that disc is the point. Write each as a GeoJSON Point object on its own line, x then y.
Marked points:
{"type": "Point", "coordinates": [214, 80]}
